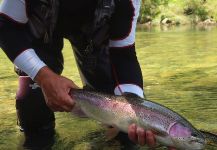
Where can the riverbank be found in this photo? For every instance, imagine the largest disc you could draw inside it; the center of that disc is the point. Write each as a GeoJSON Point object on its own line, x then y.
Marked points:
{"type": "Point", "coordinates": [174, 12]}
{"type": "Point", "coordinates": [168, 26]}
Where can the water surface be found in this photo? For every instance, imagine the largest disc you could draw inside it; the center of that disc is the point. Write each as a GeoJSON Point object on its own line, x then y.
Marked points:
{"type": "Point", "coordinates": [179, 66]}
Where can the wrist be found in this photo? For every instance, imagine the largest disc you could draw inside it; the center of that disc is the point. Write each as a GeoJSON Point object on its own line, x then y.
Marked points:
{"type": "Point", "coordinates": [29, 62]}
{"type": "Point", "coordinates": [43, 75]}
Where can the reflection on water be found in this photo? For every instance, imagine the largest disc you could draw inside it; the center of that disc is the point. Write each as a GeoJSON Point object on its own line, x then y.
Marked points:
{"type": "Point", "coordinates": [180, 70]}
{"type": "Point", "coordinates": [179, 66]}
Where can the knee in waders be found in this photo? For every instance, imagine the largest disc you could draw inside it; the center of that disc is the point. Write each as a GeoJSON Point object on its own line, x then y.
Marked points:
{"type": "Point", "coordinates": [34, 117]}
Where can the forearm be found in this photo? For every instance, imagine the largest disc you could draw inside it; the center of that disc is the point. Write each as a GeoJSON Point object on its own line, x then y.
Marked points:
{"type": "Point", "coordinates": [13, 31]}
{"type": "Point", "coordinates": [13, 38]}
{"type": "Point", "coordinates": [126, 71]}
{"type": "Point", "coordinates": [15, 43]}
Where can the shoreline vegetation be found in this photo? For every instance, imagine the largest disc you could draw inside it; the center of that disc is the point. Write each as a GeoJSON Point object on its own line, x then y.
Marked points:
{"type": "Point", "coordinates": [177, 12]}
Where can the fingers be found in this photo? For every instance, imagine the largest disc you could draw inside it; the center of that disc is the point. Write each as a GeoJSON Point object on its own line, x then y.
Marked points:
{"type": "Point", "coordinates": [71, 84]}
{"type": "Point", "coordinates": [60, 102]}
{"type": "Point", "coordinates": [140, 136]}
{"type": "Point", "coordinates": [59, 98]}
{"type": "Point", "coordinates": [62, 108]}
{"type": "Point", "coordinates": [132, 133]}
{"type": "Point", "coordinates": [74, 86]}
{"type": "Point", "coordinates": [69, 103]}
{"type": "Point", "coordinates": [56, 108]}
{"type": "Point", "coordinates": [150, 139]}
{"type": "Point", "coordinates": [56, 91]}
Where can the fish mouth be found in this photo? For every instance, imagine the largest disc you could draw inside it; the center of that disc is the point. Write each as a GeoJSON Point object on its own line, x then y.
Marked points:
{"type": "Point", "coordinates": [199, 141]}
{"type": "Point", "coordinates": [199, 138]}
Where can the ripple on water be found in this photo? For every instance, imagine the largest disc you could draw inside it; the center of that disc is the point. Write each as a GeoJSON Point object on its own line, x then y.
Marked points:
{"type": "Point", "coordinates": [179, 69]}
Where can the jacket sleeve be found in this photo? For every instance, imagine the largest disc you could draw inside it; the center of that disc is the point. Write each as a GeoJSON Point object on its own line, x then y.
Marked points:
{"type": "Point", "coordinates": [126, 68]}
{"type": "Point", "coordinates": [14, 37]}
{"type": "Point", "coordinates": [13, 31]}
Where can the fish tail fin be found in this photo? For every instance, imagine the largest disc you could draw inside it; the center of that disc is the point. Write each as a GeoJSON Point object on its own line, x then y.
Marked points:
{"type": "Point", "coordinates": [211, 139]}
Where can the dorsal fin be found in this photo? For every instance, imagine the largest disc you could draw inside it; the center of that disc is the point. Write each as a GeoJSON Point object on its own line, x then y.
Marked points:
{"type": "Point", "coordinates": [132, 98]}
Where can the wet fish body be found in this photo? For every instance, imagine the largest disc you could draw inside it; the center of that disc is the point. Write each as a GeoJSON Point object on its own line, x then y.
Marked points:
{"type": "Point", "coordinates": [170, 128]}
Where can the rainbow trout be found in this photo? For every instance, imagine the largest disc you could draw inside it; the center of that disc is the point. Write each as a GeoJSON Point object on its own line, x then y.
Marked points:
{"type": "Point", "coordinates": [170, 128]}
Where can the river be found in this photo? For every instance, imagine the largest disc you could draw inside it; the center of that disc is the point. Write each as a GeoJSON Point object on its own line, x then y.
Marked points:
{"type": "Point", "coordinates": [179, 66]}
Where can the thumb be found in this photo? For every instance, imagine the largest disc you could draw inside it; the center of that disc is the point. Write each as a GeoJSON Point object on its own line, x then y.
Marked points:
{"type": "Point", "coordinates": [72, 85]}
{"type": "Point", "coordinates": [70, 100]}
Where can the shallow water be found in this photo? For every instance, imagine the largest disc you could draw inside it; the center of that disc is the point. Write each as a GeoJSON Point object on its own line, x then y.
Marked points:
{"type": "Point", "coordinates": [179, 66]}
{"type": "Point", "coordinates": [180, 71]}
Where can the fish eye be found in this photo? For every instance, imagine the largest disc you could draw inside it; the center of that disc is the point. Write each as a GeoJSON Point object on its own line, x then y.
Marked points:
{"type": "Point", "coordinates": [194, 134]}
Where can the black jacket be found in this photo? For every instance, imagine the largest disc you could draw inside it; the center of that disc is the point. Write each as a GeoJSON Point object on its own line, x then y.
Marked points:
{"type": "Point", "coordinates": [73, 16]}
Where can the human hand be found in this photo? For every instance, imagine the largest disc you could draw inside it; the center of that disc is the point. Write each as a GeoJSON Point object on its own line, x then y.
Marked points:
{"type": "Point", "coordinates": [56, 90]}
{"type": "Point", "coordinates": [142, 137]}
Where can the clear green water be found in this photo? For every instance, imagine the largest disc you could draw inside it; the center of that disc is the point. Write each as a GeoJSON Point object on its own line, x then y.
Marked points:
{"type": "Point", "coordinates": [179, 66]}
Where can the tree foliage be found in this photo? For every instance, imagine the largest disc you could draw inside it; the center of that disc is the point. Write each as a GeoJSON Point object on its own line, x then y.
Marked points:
{"type": "Point", "coordinates": [150, 9]}
{"type": "Point", "coordinates": [196, 8]}
{"type": "Point", "coordinates": [193, 9]}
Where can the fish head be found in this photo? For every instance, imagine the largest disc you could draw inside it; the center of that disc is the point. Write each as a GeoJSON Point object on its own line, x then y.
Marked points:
{"type": "Point", "coordinates": [186, 137]}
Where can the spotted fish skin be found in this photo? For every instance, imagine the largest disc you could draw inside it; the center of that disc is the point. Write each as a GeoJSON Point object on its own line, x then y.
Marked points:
{"type": "Point", "coordinates": [170, 128]}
